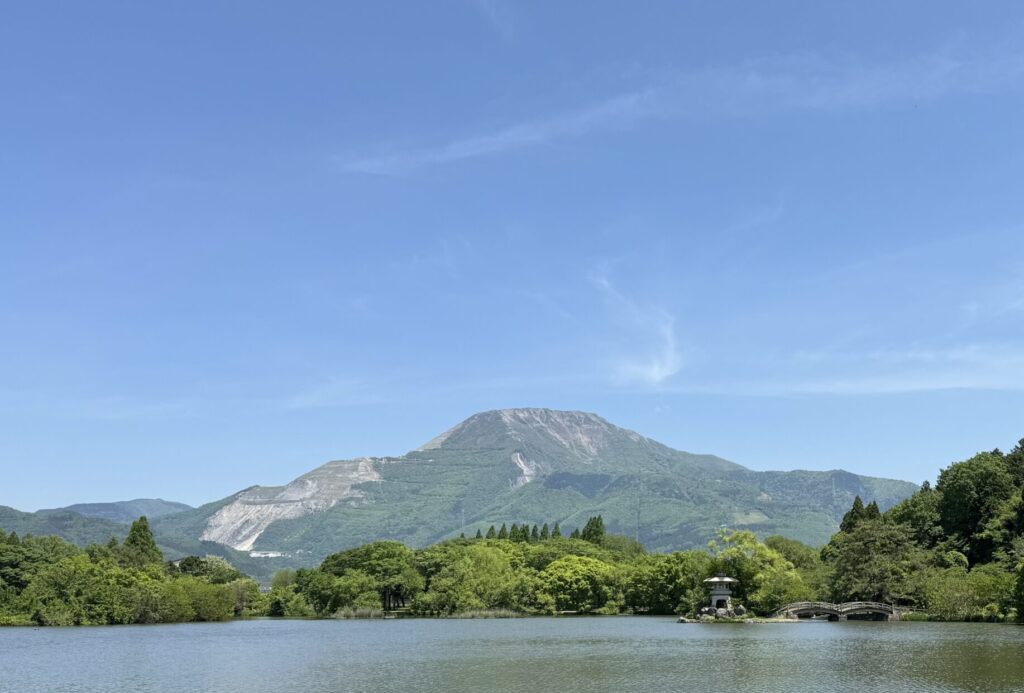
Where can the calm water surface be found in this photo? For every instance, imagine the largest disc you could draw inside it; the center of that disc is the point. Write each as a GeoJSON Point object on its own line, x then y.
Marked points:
{"type": "Point", "coordinates": [523, 655]}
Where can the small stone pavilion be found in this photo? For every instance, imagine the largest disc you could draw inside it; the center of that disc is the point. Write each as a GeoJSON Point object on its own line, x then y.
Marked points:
{"type": "Point", "coordinates": [721, 591]}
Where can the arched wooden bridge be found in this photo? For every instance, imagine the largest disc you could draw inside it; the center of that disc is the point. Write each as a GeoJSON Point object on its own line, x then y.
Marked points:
{"type": "Point", "coordinates": [840, 612]}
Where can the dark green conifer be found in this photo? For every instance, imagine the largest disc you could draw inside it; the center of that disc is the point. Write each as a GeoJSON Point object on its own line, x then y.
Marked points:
{"type": "Point", "coordinates": [593, 531]}
{"type": "Point", "coordinates": [556, 533]}
{"type": "Point", "coordinates": [853, 516]}
{"type": "Point", "coordinates": [139, 547]}
{"type": "Point", "coordinates": [575, 534]}
{"type": "Point", "coordinates": [513, 532]}
{"type": "Point", "coordinates": [872, 512]}
{"type": "Point", "coordinates": [491, 534]}
{"type": "Point", "coordinates": [535, 534]}
{"type": "Point", "coordinates": [503, 532]}
{"type": "Point", "coordinates": [545, 533]}
{"type": "Point", "coordinates": [479, 535]}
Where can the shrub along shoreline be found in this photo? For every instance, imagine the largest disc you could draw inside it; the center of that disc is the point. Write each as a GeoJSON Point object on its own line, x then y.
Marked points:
{"type": "Point", "coordinates": [954, 552]}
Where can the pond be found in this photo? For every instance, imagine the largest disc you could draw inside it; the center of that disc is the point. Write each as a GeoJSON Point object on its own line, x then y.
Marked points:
{"type": "Point", "coordinates": [527, 655]}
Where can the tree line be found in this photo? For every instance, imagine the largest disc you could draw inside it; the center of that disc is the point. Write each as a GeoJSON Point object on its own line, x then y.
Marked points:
{"type": "Point", "coordinates": [48, 581]}
{"type": "Point", "coordinates": [954, 551]}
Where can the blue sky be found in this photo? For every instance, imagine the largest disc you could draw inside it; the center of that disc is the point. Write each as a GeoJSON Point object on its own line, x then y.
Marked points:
{"type": "Point", "coordinates": [241, 239]}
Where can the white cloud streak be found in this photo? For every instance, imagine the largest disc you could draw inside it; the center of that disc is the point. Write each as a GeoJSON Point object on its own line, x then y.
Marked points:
{"type": "Point", "coordinates": [624, 110]}
{"type": "Point", "coordinates": [657, 357]}
{"type": "Point", "coordinates": [762, 87]}
{"type": "Point", "coordinates": [878, 372]}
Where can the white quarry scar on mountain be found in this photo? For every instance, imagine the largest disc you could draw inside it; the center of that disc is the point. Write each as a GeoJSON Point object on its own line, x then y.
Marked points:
{"type": "Point", "coordinates": [527, 470]}
{"type": "Point", "coordinates": [240, 523]}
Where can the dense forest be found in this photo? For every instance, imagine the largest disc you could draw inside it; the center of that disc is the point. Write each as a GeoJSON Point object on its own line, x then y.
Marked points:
{"type": "Point", "coordinates": [954, 551]}
{"type": "Point", "coordinates": [47, 581]}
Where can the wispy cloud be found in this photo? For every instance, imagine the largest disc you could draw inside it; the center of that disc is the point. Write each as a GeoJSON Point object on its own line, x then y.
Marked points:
{"type": "Point", "coordinates": [876, 372]}
{"type": "Point", "coordinates": [652, 354]}
{"type": "Point", "coordinates": [790, 83]}
{"type": "Point", "coordinates": [623, 110]}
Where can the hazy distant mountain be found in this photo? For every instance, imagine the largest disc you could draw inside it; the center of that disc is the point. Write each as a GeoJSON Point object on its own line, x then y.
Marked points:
{"type": "Point", "coordinates": [535, 466]}
{"type": "Point", "coordinates": [123, 511]}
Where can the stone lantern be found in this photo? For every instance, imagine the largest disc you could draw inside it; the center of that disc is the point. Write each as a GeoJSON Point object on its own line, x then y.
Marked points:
{"type": "Point", "coordinates": [721, 591]}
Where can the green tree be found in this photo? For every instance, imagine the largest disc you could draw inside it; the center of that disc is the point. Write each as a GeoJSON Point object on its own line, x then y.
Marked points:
{"type": "Point", "coordinates": [767, 580]}
{"type": "Point", "coordinates": [503, 532]}
{"type": "Point", "coordinates": [853, 516]}
{"type": "Point", "coordinates": [556, 532]}
{"type": "Point", "coordinates": [575, 534]}
{"type": "Point", "coordinates": [806, 560]}
{"type": "Point", "coordinates": [874, 561]}
{"type": "Point", "coordinates": [282, 579]}
{"type": "Point", "coordinates": [920, 514]}
{"type": "Point", "coordinates": [477, 577]}
{"type": "Point", "coordinates": [593, 531]}
{"type": "Point", "coordinates": [971, 494]}
{"type": "Point", "coordinates": [534, 534]}
{"type": "Point", "coordinates": [389, 563]}
{"type": "Point", "coordinates": [479, 535]}
{"type": "Point", "coordinates": [491, 534]}
{"type": "Point", "coordinates": [666, 584]}
{"type": "Point", "coordinates": [139, 547]}
{"type": "Point", "coordinates": [545, 533]}
{"type": "Point", "coordinates": [578, 583]}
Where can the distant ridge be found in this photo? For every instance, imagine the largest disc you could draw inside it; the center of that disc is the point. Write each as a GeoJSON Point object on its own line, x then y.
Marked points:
{"type": "Point", "coordinates": [123, 511]}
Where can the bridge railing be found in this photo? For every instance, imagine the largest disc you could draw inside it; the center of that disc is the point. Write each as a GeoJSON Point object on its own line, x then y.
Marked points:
{"type": "Point", "coordinates": [844, 608]}
{"type": "Point", "coordinates": [809, 606]}
{"type": "Point", "coordinates": [867, 606]}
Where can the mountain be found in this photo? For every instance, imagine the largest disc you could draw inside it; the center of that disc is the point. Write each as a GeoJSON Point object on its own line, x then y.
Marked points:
{"type": "Point", "coordinates": [123, 511]}
{"type": "Point", "coordinates": [83, 530]}
{"type": "Point", "coordinates": [76, 528]}
{"type": "Point", "coordinates": [535, 466]}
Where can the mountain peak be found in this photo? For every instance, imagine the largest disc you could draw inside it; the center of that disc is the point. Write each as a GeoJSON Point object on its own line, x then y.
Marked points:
{"type": "Point", "coordinates": [582, 432]}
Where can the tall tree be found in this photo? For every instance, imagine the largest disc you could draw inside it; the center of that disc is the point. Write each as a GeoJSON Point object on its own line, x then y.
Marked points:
{"type": "Point", "coordinates": [593, 531]}
{"type": "Point", "coordinates": [872, 512]}
{"type": "Point", "coordinates": [491, 534]}
{"type": "Point", "coordinates": [503, 532]}
{"type": "Point", "coordinates": [854, 515]}
{"type": "Point", "coordinates": [972, 493]}
{"type": "Point", "coordinates": [545, 533]}
{"type": "Point", "coordinates": [556, 533]}
{"type": "Point", "coordinates": [873, 561]}
{"type": "Point", "coordinates": [479, 535]}
{"type": "Point", "coordinates": [534, 534]}
{"type": "Point", "coordinates": [139, 547]}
